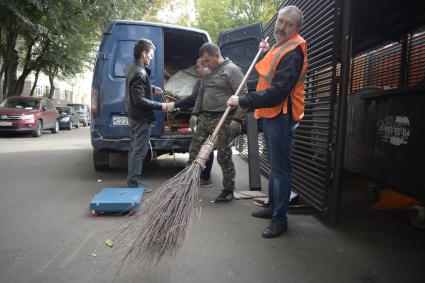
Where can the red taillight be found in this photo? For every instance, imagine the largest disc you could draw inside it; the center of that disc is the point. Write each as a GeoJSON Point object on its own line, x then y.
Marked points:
{"type": "Point", "coordinates": [94, 95]}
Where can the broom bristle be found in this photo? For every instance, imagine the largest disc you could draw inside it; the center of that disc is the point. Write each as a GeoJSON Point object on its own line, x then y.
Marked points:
{"type": "Point", "coordinates": [162, 224]}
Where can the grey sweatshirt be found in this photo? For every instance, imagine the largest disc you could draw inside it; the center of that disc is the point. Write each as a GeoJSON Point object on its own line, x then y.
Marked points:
{"type": "Point", "coordinates": [217, 87]}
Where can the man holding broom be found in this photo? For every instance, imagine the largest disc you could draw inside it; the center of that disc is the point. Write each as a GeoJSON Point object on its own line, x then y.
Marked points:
{"type": "Point", "coordinates": [279, 100]}
{"type": "Point", "coordinates": [216, 88]}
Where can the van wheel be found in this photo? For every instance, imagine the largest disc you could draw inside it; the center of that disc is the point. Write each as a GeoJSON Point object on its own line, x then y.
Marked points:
{"type": "Point", "coordinates": [100, 160]}
{"type": "Point", "coordinates": [37, 132]}
{"type": "Point", "coordinates": [70, 126]}
{"type": "Point", "coordinates": [55, 130]}
{"type": "Point", "coordinates": [84, 124]}
{"type": "Point", "coordinates": [77, 125]}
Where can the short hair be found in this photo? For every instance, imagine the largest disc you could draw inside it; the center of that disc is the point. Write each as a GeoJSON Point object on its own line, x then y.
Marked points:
{"type": "Point", "coordinates": [141, 45]}
{"type": "Point", "coordinates": [292, 8]}
{"type": "Point", "coordinates": [209, 48]}
{"type": "Point", "coordinates": [199, 62]}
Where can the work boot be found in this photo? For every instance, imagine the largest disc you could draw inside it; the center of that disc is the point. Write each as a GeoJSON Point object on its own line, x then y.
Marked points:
{"type": "Point", "coordinates": [265, 212]}
{"type": "Point", "coordinates": [275, 229]}
{"type": "Point", "coordinates": [224, 196]}
{"type": "Point", "coordinates": [205, 183]}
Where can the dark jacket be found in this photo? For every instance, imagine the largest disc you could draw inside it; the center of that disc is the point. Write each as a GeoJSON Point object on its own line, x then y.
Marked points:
{"type": "Point", "coordinates": [138, 95]}
{"type": "Point", "coordinates": [287, 74]}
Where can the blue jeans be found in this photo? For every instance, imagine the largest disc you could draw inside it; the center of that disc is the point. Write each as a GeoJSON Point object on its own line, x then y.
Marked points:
{"type": "Point", "coordinates": [278, 134]}
{"type": "Point", "coordinates": [139, 145]}
{"type": "Point", "coordinates": [206, 173]}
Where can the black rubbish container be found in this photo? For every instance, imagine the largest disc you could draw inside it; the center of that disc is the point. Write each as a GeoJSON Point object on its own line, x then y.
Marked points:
{"type": "Point", "coordinates": [395, 139]}
{"type": "Point", "coordinates": [355, 158]}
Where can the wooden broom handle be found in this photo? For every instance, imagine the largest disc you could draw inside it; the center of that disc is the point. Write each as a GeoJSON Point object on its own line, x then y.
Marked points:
{"type": "Point", "coordinates": [226, 113]}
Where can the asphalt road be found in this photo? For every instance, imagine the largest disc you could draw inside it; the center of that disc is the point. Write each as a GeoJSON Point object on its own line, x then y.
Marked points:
{"type": "Point", "coordinates": [47, 233]}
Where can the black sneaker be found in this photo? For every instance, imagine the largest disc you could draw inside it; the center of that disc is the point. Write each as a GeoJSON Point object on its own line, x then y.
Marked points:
{"type": "Point", "coordinates": [275, 229]}
{"type": "Point", "coordinates": [224, 196]}
{"type": "Point", "coordinates": [265, 212]}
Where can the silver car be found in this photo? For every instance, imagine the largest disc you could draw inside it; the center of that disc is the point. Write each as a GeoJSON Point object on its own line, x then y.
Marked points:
{"type": "Point", "coordinates": [83, 111]}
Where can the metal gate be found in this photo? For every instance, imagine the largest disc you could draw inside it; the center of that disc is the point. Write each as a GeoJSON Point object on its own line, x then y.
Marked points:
{"type": "Point", "coordinates": [313, 145]}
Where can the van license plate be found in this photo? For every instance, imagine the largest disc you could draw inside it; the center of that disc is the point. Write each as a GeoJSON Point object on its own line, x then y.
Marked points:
{"type": "Point", "coordinates": [120, 120]}
{"type": "Point", "coordinates": [5, 124]}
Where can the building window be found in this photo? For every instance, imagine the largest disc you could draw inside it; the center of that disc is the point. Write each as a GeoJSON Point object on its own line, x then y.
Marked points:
{"type": "Point", "coordinates": [38, 91]}
{"type": "Point", "coordinates": [57, 93]}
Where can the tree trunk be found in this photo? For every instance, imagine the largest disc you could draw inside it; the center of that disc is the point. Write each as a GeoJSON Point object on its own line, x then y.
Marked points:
{"type": "Point", "coordinates": [35, 83]}
{"type": "Point", "coordinates": [11, 58]}
{"type": "Point", "coordinates": [20, 83]}
{"type": "Point", "coordinates": [3, 69]}
{"type": "Point", "coordinates": [5, 82]}
{"type": "Point", "coordinates": [11, 78]}
{"type": "Point", "coordinates": [52, 86]}
{"type": "Point", "coordinates": [27, 68]}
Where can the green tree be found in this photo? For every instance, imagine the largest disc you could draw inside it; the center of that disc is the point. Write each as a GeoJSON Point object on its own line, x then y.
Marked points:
{"type": "Point", "coordinates": [55, 37]}
{"type": "Point", "coordinates": [216, 16]}
{"type": "Point", "coordinates": [211, 15]}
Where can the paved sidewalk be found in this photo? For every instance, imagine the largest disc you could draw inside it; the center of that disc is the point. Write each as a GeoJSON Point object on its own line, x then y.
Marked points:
{"type": "Point", "coordinates": [48, 235]}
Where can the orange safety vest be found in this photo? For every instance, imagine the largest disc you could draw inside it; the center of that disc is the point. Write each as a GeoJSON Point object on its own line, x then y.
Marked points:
{"type": "Point", "coordinates": [266, 69]}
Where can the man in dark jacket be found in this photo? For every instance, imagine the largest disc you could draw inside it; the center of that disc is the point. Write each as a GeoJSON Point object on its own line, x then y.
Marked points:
{"type": "Point", "coordinates": [140, 108]}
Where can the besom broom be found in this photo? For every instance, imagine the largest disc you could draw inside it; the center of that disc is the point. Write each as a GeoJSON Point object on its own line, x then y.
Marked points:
{"type": "Point", "coordinates": [160, 227]}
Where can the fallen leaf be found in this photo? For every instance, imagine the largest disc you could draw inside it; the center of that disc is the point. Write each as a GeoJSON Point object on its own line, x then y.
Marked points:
{"type": "Point", "coordinates": [109, 243]}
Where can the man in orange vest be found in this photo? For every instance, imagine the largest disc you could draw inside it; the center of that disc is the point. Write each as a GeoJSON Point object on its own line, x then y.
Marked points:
{"type": "Point", "coordinates": [279, 100]}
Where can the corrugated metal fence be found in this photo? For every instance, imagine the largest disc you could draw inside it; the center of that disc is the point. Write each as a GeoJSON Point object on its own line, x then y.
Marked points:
{"type": "Point", "coordinates": [393, 65]}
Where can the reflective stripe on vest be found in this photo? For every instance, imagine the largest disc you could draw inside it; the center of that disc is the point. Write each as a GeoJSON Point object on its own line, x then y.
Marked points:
{"type": "Point", "coordinates": [266, 69]}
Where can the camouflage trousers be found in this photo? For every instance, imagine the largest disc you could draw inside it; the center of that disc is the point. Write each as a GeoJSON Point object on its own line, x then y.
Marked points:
{"type": "Point", "coordinates": [205, 127]}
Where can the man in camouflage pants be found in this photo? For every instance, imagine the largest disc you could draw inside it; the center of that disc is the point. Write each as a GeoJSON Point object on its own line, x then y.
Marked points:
{"type": "Point", "coordinates": [215, 89]}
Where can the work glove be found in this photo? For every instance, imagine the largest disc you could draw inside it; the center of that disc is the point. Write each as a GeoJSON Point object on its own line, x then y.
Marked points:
{"type": "Point", "coordinates": [192, 122]}
{"type": "Point", "coordinates": [234, 129]}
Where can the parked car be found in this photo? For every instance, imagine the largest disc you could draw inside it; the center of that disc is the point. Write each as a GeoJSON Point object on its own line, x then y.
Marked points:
{"type": "Point", "coordinates": [28, 114]}
{"type": "Point", "coordinates": [177, 48]}
{"type": "Point", "coordinates": [83, 111]}
{"type": "Point", "coordinates": [68, 117]}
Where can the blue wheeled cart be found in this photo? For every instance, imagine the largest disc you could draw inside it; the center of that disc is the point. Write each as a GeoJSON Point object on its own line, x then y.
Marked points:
{"type": "Point", "coordinates": [116, 200]}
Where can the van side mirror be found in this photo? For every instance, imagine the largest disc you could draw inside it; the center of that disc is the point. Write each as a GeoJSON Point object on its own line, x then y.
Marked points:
{"type": "Point", "coordinates": [44, 108]}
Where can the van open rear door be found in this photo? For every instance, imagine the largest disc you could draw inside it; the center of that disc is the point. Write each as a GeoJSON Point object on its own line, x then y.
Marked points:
{"type": "Point", "coordinates": [241, 45]}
